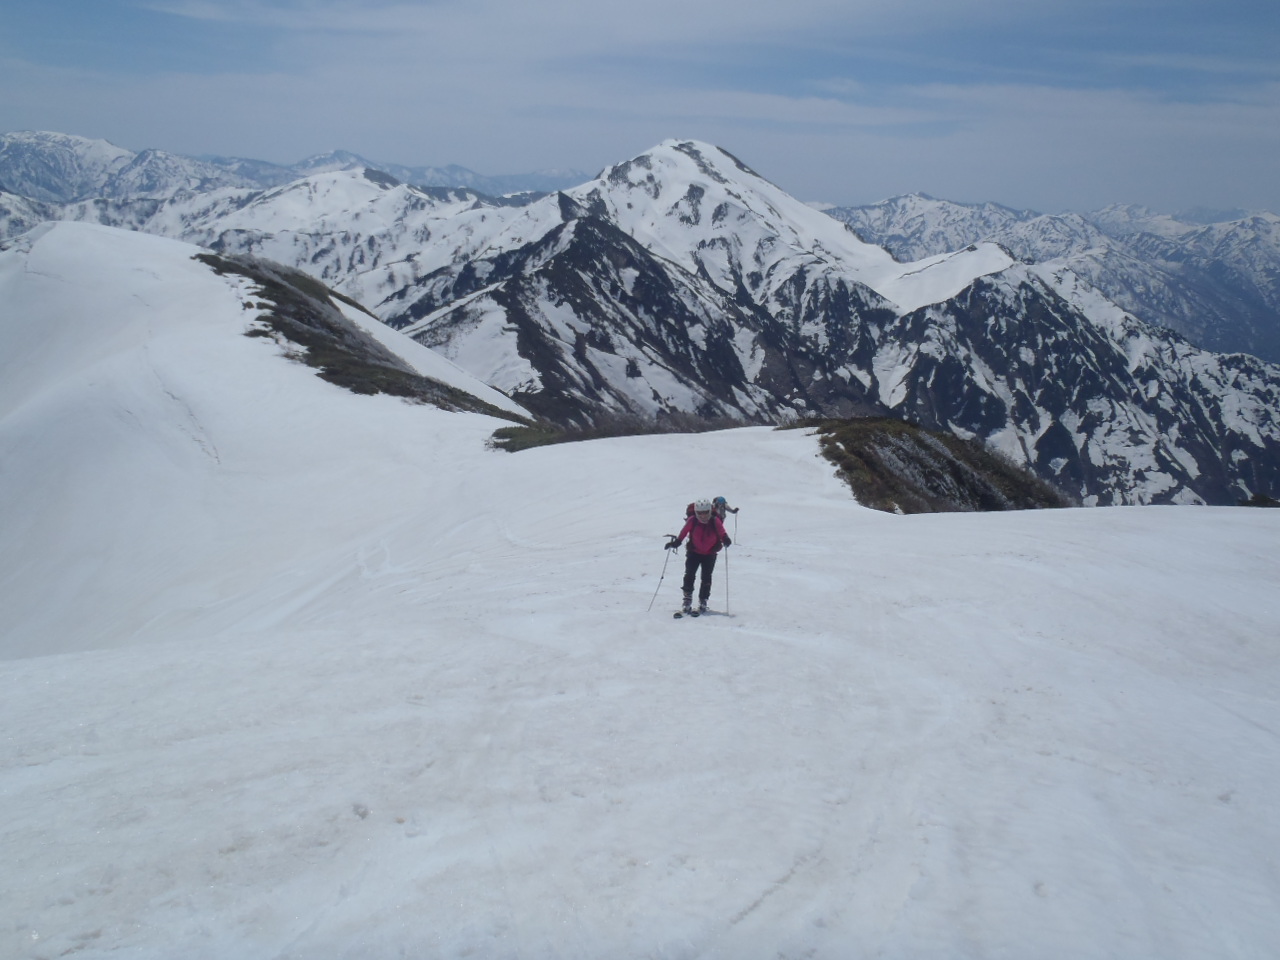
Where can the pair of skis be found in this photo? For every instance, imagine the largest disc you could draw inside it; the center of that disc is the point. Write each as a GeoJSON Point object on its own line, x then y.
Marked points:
{"type": "Point", "coordinates": [695, 612]}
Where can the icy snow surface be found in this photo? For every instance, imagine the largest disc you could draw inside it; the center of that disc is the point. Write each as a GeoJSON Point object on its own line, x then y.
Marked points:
{"type": "Point", "coordinates": [296, 673]}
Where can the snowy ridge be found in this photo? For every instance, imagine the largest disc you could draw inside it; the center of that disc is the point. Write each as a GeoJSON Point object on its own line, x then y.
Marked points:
{"type": "Point", "coordinates": [938, 279]}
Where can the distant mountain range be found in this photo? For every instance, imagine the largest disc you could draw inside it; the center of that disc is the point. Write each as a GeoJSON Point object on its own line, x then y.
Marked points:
{"type": "Point", "coordinates": [1218, 284]}
{"type": "Point", "coordinates": [680, 287]}
{"type": "Point", "coordinates": [61, 168]}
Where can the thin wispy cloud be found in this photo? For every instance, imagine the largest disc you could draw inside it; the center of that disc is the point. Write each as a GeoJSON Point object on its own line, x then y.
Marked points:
{"type": "Point", "coordinates": [835, 100]}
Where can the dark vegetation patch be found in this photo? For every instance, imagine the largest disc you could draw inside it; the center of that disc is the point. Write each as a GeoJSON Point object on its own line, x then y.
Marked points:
{"type": "Point", "coordinates": [381, 178]}
{"type": "Point", "coordinates": [300, 309]}
{"type": "Point", "coordinates": [1260, 500]}
{"type": "Point", "coordinates": [543, 433]}
{"type": "Point", "coordinates": [899, 467]}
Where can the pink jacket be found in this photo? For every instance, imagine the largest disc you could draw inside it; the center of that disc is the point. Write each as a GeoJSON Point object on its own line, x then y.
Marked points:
{"type": "Point", "coordinates": [704, 538]}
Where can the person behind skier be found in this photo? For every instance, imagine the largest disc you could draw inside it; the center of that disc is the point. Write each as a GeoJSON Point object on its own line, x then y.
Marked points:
{"type": "Point", "coordinates": [706, 537]}
{"type": "Point", "coordinates": [719, 505]}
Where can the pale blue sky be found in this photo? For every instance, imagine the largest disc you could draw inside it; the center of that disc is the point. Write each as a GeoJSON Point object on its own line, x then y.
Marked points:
{"type": "Point", "coordinates": [1038, 103]}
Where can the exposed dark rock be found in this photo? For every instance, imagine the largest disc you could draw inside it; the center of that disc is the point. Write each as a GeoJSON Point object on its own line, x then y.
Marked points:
{"type": "Point", "coordinates": [899, 467]}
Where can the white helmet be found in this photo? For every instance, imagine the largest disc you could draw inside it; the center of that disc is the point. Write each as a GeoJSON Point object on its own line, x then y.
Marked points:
{"type": "Point", "coordinates": [702, 506]}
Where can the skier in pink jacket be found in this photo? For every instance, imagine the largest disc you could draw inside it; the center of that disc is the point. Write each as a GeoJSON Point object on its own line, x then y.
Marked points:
{"type": "Point", "coordinates": [706, 537]}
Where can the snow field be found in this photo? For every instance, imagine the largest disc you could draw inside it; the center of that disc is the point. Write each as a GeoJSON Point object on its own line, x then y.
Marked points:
{"type": "Point", "coordinates": [353, 685]}
{"type": "Point", "coordinates": [939, 735]}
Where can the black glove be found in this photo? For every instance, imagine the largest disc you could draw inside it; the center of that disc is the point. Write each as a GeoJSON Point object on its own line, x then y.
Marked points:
{"type": "Point", "coordinates": [672, 544]}
{"type": "Point", "coordinates": [726, 541]}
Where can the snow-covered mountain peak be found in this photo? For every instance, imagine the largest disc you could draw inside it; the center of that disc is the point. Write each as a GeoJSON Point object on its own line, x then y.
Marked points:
{"type": "Point", "coordinates": [333, 202]}
{"type": "Point", "coordinates": [678, 177]}
{"type": "Point", "coordinates": [923, 204]}
{"type": "Point", "coordinates": [701, 207]}
{"type": "Point", "coordinates": [679, 159]}
{"type": "Point", "coordinates": [1256, 225]}
{"type": "Point", "coordinates": [1127, 219]}
{"type": "Point", "coordinates": [332, 191]}
{"type": "Point", "coordinates": [58, 167]}
{"type": "Point", "coordinates": [331, 162]}
{"type": "Point", "coordinates": [90, 150]}
{"type": "Point", "coordinates": [155, 174]}
{"type": "Point", "coordinates": [718, 216]}
{"type": "Point", "coordinates": [917, 226]}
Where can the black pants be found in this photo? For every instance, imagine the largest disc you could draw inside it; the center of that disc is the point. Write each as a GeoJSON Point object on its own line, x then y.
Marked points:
{"type": "Point", "coordinates": [692, 563]}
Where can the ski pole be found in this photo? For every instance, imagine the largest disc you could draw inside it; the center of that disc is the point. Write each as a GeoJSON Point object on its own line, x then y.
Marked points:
{"type": "Point", "coordinates": [670, 536]}
{"type": "Point", "coordinates": [726, 574]}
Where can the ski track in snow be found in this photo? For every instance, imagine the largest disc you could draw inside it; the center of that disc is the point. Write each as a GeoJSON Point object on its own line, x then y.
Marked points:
{"type": "Point", "coordinates": [361, 687]}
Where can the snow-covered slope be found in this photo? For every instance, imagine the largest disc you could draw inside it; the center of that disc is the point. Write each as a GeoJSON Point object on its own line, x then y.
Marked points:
{"type": "Point", "coordinates": [20, 214]}
{"type": "Point", "coordinates": [335, 680]}
{"type": "Point", "coordinates": [121, 357]}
